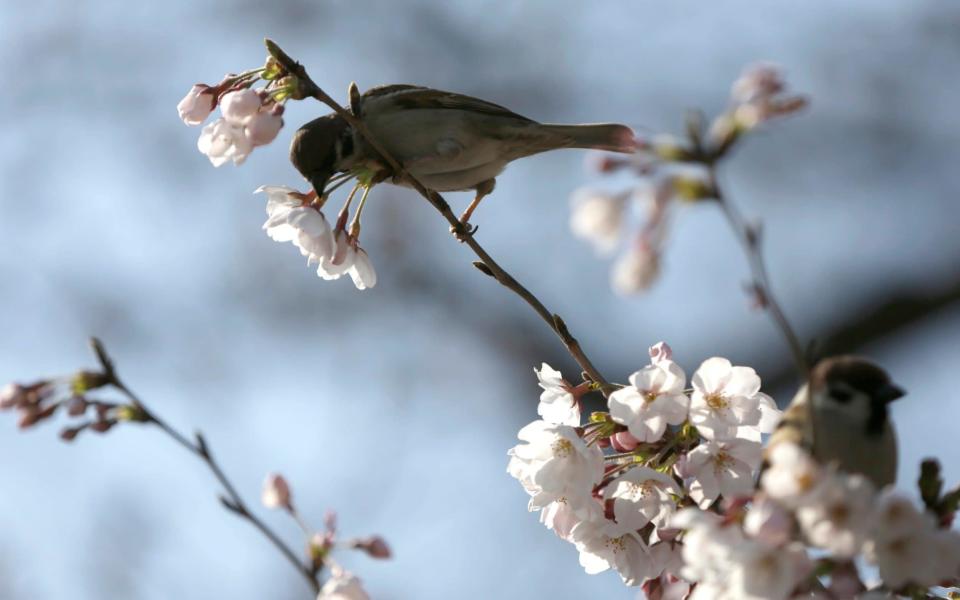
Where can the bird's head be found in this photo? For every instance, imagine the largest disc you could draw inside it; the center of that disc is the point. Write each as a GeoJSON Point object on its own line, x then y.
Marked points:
{"type": "Point", "coordinates": [319, 149]}
{"type": "Point", "coordinates": [854, 388]}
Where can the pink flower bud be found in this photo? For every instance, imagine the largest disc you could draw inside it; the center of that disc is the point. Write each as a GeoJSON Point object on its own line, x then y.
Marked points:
{"type": "Point", "coordinates": [262, 128]}
{"type": "Point", "coordinates": [375, 546]}
{"type": "Point", "coordinates": [239, 106]}
{"type": "Point", "coordinates": [276, 492]}
{"type": "Point", "coordinates": [197, 105]}
{"type": "Point", "coordinates": [12, 395]}
{"type": "Point", "coordinates": [77, 406]}
{"type": "Point", "coordinates": [68, 434]}
{"type": "Point", "coordinates": [103, 425]}
{"type": "Point", "coordinates": [624, 441]}
{"type": "Point", "coordinates": [660, 351]}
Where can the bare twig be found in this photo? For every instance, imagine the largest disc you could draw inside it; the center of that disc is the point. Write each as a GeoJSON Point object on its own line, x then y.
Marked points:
{"type": "Point", "coordinates": [231, 499]}
{"type": "Point", "coordinates": [490, 267]}
{"type": "Point", "coordinates": [750, 238]}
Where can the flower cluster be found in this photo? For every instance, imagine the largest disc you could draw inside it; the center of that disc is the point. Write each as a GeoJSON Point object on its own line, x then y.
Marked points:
{"type": "Point", "coordinates": [250, 117]}
{"type": "Point", "coordinates": [759, 547]}
{"type": "Point", "coordinates": [296, 217]}
{"type": "Point", "coordinates": [342, 585]}
{"type": "Point", "coordinates": [612, 485]}
{"type": "Point", "coordinates": [671, 169]}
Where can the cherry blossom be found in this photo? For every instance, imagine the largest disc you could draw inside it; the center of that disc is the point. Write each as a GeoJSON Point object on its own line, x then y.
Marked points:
{"type": "Point", "coordinates": [792, 476]}
{"type": "Point", "coordinates": [653, 400]}
{"type": "Point", "coordinates": [601, 549]}
{"type": "Point", "coordinates": [720, 469]}
{"type": "Point", "coordinates": [555, 464]}
{"type": "Point", "coordinates": [558, 404]}
{"type": "Point", "coordinates": [724, 398]}
{"type": "Point", "coordinates": [642, 496]}
{"type": "Point", "coordinates": [223, 141]}
{"type": "Point", "coordinates": [636, 269]}
{"type": "Point", "coordinates": [342, 586]}
{"type": "Point", "coordinates": [276, 492]}
{"type": "Point", "coordinates": [197, 105]}
{"type": "Point", "coordinates": [361, 271]}
{"type": "Point", "coordinates": [839, 516]}
{"type": "Point", "coordinates": [598, 217]}
{"type": "Point", "coordinates": [239, 106]}
{"type": "Point", "coordinates": [289, 220]}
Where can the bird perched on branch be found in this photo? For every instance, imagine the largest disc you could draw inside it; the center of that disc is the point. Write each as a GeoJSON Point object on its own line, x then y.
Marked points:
{"type": "Point", "coordinates": [448, 141]}
{"type": "Point", "coordinates": [841, 417]}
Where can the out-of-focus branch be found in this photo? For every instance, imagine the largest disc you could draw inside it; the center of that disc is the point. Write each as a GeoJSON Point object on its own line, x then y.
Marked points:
{"type": "Point", "coordinates": [486, 264]}
{"type": "Point", "coordinates": [230, 499]}
{"type": "Point", "coordinates": [749, 237]}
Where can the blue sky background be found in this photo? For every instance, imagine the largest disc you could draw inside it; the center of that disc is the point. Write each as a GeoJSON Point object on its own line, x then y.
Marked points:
{"type": "Point", "coordinates": [396, 406]}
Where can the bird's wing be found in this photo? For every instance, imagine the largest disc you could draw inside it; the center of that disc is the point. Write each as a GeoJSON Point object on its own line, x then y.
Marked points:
{"type": "Point", "coordinates": [415, 97]}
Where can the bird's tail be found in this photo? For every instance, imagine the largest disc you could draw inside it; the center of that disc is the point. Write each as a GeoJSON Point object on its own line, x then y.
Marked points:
{"type": "Point", "coordinates": [597, 136]}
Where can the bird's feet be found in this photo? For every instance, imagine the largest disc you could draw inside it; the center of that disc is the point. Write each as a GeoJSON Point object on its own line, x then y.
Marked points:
{"type": "Point", "coordinates": [463, 230]}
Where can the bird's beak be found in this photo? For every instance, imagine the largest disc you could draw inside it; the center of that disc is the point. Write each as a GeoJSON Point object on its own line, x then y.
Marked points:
{"type": "Point", "coordinates": [890, 392]}
{"type": "Point", "coordinates": [319, 183]}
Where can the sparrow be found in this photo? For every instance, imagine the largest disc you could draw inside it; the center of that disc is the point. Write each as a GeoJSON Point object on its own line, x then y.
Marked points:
{"type": "Point", "coordinates": [841, 416]}
{"type": "Point", "coordinates": [448, 141]}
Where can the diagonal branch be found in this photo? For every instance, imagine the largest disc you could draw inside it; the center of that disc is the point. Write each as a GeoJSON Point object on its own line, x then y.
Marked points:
{"type": "Point", "coordinates": [749, 238]}
{"type": "Point", "coordinates": [231, 499]}
{"type": "Point", "coordinates": [486, 263]}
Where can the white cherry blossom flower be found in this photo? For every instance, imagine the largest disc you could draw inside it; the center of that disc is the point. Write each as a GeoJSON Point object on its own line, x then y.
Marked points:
{"type": "Point", "coordinates": [839, 518]}
{"type": "Point", "coordinates": [240, 105]}
{"type": "Point", "coordinates": [197, 105]}
{"type": "Point", "coordinates": [770, 417]}
{"type": "Point", "coordinates": [341, 260]}
{"type": "Point", "coordinates": [561, 517]}
{"type": "Point", "coordinates": [724, 398]}
{"type": "Point", "coordinates": [598, 218]}
{"type": "Point", "coordinates": [636, 270]}
{"type": "Point", "coordinates": [641, 496]}
{"type": "Point", "coordinates": [793, 476]}
{"type": "Point", "coordinates": [263, 127]}
{"type": "Point", "coordinates": [558, 404]}
{"type": "Point", "coordinates": [709, 547]}
{"type": "Point", "coordinates": [224, 141]}
{"type": "Point", "coordinates": [601, 549]}
{"type": "Point", "coordinates": [342, 585]}
{"type": "Point", "coordinates": [653, 400]}
{"type": "Point", "coordinates": [288, 220]}
{"type": "Point", "coordinates": [720, 469]}
{"type": "Point", "coordinates": [555, 464]}
{"type": "Point", "coordinates": [361, 271]}
{"type": "Point", "coordinates": [761, 572]}
{"type": "Point", "coordinates": [768, 522]}
{"type": "Point", "coordinates": [908, 547]}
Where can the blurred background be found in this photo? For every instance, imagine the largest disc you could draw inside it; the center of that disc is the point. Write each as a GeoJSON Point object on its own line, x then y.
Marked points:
{"type": "Point", "coordinates": [396, 406]}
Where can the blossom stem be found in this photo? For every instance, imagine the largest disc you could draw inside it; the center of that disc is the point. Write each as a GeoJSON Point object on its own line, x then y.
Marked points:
{"type": "Point", "coordinates": [355, 225]}
{"type": "Point", "coordinates": [461, 231]}
{"type": "Point", "coordinates": [345, 211]}
{"type": "Point", "coordinates": [749, 238]}
{"type": "Point", "coordinates": [231, 500]}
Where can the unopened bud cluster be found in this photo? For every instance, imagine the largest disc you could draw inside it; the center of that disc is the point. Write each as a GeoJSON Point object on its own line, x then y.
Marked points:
{"type": "Point", "coordinates": [41, 400]}
{"type": "Point", "coordinates": [670, 169]}
{"type": "Point", "coordinates": [249, 117]}
{"type": "Point", "coordinates": [320, 545]}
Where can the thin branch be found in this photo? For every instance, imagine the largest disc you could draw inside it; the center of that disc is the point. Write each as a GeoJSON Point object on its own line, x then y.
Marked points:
{"type": "Point", "coordinates": [490, 267]}
{"type": "Point", "coordinates": [232, 501]}
{"type": "Point", "coordinates": [749, 238]}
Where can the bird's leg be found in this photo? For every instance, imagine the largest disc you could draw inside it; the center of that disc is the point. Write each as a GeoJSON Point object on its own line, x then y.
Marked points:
{"type": "Point", "coordinates": [483, 189]}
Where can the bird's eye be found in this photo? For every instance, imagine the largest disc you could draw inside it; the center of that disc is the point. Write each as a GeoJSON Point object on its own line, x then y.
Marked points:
{"type": "Point", "coordinates": [841, 396]}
